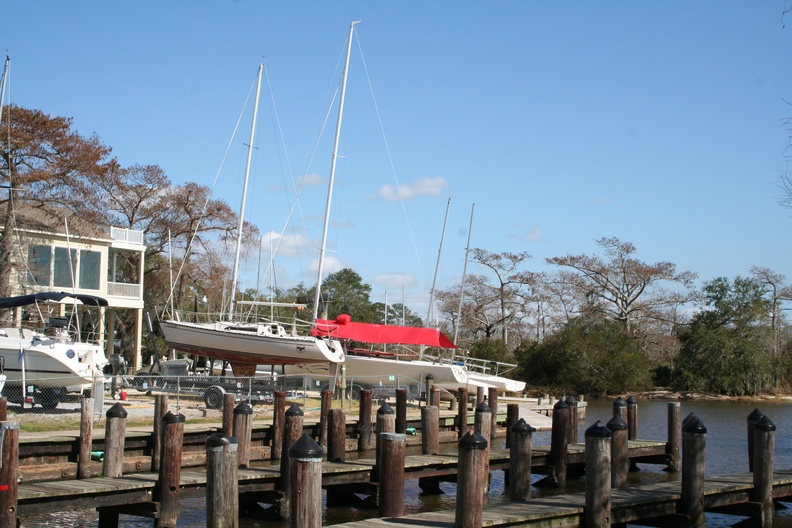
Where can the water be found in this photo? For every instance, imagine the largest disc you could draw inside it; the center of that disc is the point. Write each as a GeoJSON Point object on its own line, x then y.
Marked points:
{"type": "Point", "coordinates": [727, 453]}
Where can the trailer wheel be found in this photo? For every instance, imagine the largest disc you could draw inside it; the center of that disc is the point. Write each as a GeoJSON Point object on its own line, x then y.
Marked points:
{"type": "Point", "coordinates": [214, 397]}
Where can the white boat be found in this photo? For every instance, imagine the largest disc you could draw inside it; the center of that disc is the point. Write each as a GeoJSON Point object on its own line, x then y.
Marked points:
{"type": "Point", "coordinates": [53, 362]}
{"type": "Point", "coordinates": [246, 344]}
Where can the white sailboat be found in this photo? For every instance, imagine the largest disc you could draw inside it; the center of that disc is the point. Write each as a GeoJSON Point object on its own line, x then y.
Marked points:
{"type": "Point", "coordinates": [246, 344]}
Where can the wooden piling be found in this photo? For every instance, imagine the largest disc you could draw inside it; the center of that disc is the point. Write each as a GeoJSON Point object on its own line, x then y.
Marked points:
{"type": "Point", "coordinates": [9, 463]}
{"type": "Point", "coordinates": [482, 423]}
{"type": "Point", "coordinates": [598, 476]}
{"type": "Point", "coordinates": [493, 405]}
{"type": "Point", "coordinates": [326, 405]}
{"type": "Point", "coordinates": [336, 435]}
{"type": "Point", "coordinates": [3, 409]}
{"type": "Point", "coordinates": [386, 423]}
{"type": "Point", "coordinates": [512, 417]}
{"type": "Point", "coordinates": [480, 396]}
{"type": "Point", "coordinates": [573, 419]}
{"type": "Point", "coordinates": [428, 385]}
{"type": "Point", "coordinates": [620, 460]}
{"type": "Point", "coordinates": [764, 447]}
{"type": "Point", "coordinates": [430, 430]}
{"type": "Point", "coordinates": [229, 402]}
{"type": "Point", "coordinates": [521, 445]}
{"type": "Point", "coordinates": [168, 483]}
{"type": "Point", "coordinates": [292, 431]}
{"type": "Point", "coordinates": [160, 408]}
{"type": "Point", "coordinates": [462, 412]}
{"type": "Point", "coordinates": [115, 431]}
{"type": "Point", "coordinates": [401, 411]}
{"type": "Point", "coordinates": [559, 443]}
{"type": "Point", "coordinates": [243, 430]}
{"type": "Point", "coordinates": [278, 417]}
{"type": "Point", "coordinates": [305, 502]}
{"type": "Point", "coordinates": [754, 417]}
{"type": "Point", "coordinates": [694, 444]}
{"type": "Point", "coordinates": [434, 398]}
{"type": "Point", "coordinates": [364, 421]}
{"type": "Point", "coordinates": [473, 447]}
{"type": "Point", "coordinates": [86, 437]}
{"type": "Point", "coordinates": [674, 437]}
{"type": "Point", "coordinates": [632, 418]}
{"type": "Point", "coordinates": [620, 408]}
{"type": "Point", "coordinates": [390, 462]}
{"type": "Point", "coordinates": [222, 498]}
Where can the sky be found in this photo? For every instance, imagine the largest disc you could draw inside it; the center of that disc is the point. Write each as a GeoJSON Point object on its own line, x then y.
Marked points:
{"type": "Point", "coordinates": [660, 123]}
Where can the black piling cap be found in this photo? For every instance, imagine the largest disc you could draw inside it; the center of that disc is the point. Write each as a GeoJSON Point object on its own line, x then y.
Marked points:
{"type": "Point", "coordinates": [294, 410]}
{"type": "Point", "coordinates": [765, 424]}
{"type": "Point", "coordinates": [619, 402]}
{"type": "Point", "coordinates": [430, 376]}
{"type": "Point", "coordinates": [483, 407]}
{"type": "Point", "coordinates": [694, 426]}
{"type": "Point", "coordinates": [116, 411]}
{"type": "Point", "coordinates": [571, 400]}
{"type": "Point", "coordinates": [560, 404]}
{"type": "Point", "coordinates": [385, 409]}
{"type": "Point", "coordinates": [755, 416]}
{"type": "Point", "coordinates": [632, 400]}
{"type": "Point", "coordinates": [617, 423]}
{"type": "Point", "coordinates": [219, 440]}
{"type": "Point", "coordinates": [243, 408]}
{"type": "Point", "coordinates": [522, 427]}
{"type": "Point", "coordinates": [170, 418]}
{"type": "Point", "coordinates": [472, 441]}
{"type": "Point", "coordinates": [598, 431]}
{"type": "Point", "coordinates": [688, 418]}
{"type": "Point", "coordinates": [306, 447]}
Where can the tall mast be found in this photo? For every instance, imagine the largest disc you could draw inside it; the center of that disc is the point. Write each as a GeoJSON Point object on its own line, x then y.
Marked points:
{"type": "Point", "coordinates": [464, 275]}
{"type": "Point", "coordinates": [3, 84]}
{"type": "Point", "coordinates": [320, 271]}
{"type": "Point", "coordinates": [244, 197]}
{"type": "Point", "coordinates": [434, 281]}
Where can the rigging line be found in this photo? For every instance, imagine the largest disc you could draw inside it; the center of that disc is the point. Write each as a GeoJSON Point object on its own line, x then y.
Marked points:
{"type": "Point", "coordinates": [187, 249]}
{"type": "Point", "coordinates": [390, 156]}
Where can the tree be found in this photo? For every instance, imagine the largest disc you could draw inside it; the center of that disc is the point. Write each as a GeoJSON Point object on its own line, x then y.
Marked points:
{"type": "Point", "coordinates": [727, 348]}
{"type": "Point", "coordinates": [49, 166]}
{"type": "Point", "coordinates": [348, 294]}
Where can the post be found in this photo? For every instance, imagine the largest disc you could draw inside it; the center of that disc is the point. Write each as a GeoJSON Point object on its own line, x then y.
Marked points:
{"type": "Point", "coordinates": [573, 419]}
{"type": "Point", "coordinates": [754, 417]}
{"type": "Point", "coordinates": [512, 417]}
{"type": "Point", "coordinates": [336, 435]}
{"type": "Point", "coordinates": [278, 411]}
{"type": "Point", "coordinates": [482, 422]}
{"type": "Point", "coordinates": [493, 405]}
{"type": "Point", "coordinates": [401, 411]}
{"type": "Point", "coordinates": [391, 468]}
{"type": "Point", "coordinates": [764, 447]}
{"type": "Point", "coordinates": [598, 477]}
{"type": "Point", "coordinates": [167, 487]}
{"type": "Point", "coordinates": [620, 408]}
{"type": "Point", "coordinates": [364, 421]}
{"type": "Point", "coordinates": [229, 401]}
{"type": "Point", "coordinates": [694, 445]}
{"type": "Point", "coordinates": [86, 437]}
{"type": "Point", "coordinates": [632, 418]}
{"type": "Point", "coordinates": [620, 459]}
{"type": "Point", "coordinates": [674, 437]}
{"type": "Point", "coordinates": [473, 449]}
{"type": "Point", "coordinates": [292, 431]}
{"type": "Point", "coordinates": [429, 383]}
{"type": "Point", "coordinates": [462, 412]}
{"type": "Point", "coordinates": [243, 430]}
{"type": "Point", "coordinates": [559, 443]}
{"type": "Point", "coordinates": [160, 408]}
{"type": "Point", "coordinates": [305, 502]}
{"type": "Point", "coordinates": [520, 461]}
{"type": "Point", "coordinates": [386, 423]}
{"type": "Point", "coordinates": [9, 458]}
{"type": "Point", "coordinates": [115, 430]}
{"type": "Point", "coordinates": [480, 396]}
{"type": "Point", "coordinates": [3, 409]}
{"type": "Point", "coordinates": [327, 404]}
{"type": "Point", "coordinates": [430, 426]}
{"type": "Point", "coordinates": [435, 397]}
{"type": "Point", "coordinates": [222, 499]}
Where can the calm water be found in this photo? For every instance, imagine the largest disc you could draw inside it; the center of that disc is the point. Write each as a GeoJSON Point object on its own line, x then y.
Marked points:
{"type": "Point", "coordinates": [726, 454]}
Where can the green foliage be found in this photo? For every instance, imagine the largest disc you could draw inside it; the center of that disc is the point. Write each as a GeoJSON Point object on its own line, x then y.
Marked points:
{"type": "Point", "coordinates": [492, 350]}
{"type": "Point", "coordinates": [728, 346]}
{"type": "Point", "coordinates": [588, 355]}
{"type": "Point", "coordinates": [348, 294]}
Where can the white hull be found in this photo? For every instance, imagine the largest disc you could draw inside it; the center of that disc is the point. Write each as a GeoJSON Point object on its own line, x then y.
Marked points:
{"type": "Point", "coordinates": [499, 382]}
{"type": "Point", "coordinates": [48, 362]}
{"type": "Point", "coordinates": [256, 344]}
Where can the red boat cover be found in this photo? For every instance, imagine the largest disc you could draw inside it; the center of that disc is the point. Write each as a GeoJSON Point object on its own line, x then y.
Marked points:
{"type": "Point", "coordinates": [344, 328]}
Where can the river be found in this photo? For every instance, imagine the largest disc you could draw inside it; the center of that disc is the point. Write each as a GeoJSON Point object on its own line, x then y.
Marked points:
{"type": "Point", "coordinates": [726, 454]}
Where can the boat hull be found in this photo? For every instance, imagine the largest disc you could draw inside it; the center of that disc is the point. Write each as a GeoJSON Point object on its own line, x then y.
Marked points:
{"type": "Point", "coordinates": [243, 346]}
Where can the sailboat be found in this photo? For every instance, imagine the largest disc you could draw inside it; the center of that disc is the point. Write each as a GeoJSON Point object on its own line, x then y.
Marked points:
{"type": "Point", "coordinates": [246, 344]}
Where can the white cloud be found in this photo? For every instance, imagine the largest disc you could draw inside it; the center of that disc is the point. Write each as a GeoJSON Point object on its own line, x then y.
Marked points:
{"type": "Point", "coordinates": [421, 187]}
{"type": "Point", "coordinates": [527, 233]}
{"type": "Point", "coordinates": [394, 281]}
{"type": "Point", "coordinates": [331, 265]}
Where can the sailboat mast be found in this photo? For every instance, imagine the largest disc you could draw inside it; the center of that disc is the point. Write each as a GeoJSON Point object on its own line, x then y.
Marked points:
{"type": "Point", "coordinates": [3, 84]}
{"type": "Point", "coordinates": [244, 197]}
{"type": "Point", "coordinates": [434, 281]}
{"type": "Point", "coordinates": [464, 275]}
{"type": "Point", "coordinates": [322, 247]}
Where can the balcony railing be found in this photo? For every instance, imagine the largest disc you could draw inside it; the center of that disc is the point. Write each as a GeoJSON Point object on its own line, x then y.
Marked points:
{"type": "Point", "coordinates": [129, 236]}
{"type": "Point", "coordinates": [122, 289]}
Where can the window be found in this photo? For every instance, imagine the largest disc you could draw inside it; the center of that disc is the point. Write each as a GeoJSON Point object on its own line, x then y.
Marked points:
{"type": "Point", "coordinates": [65, 261]}
{"type": "Point", "coordinates": [39, 265]}
{"type": "Point", "coordinates": [89, 269]}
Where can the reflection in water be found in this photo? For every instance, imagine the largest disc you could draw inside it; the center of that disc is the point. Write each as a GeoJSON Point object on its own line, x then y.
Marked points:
{"type": "Point", "coordinates": [726, 454]}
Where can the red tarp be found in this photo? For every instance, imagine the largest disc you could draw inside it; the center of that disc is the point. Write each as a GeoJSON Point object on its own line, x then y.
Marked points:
{"type": "Point", "coordinates": [344, 328]}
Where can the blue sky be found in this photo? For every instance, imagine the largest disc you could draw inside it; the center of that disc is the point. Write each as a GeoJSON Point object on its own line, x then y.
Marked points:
{"type": "Point", "coordinates": [659, 123]}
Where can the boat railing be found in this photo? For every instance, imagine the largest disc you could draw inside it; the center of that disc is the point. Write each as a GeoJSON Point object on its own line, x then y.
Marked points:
{"type": "Point", "coordinates": [252, 320]}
